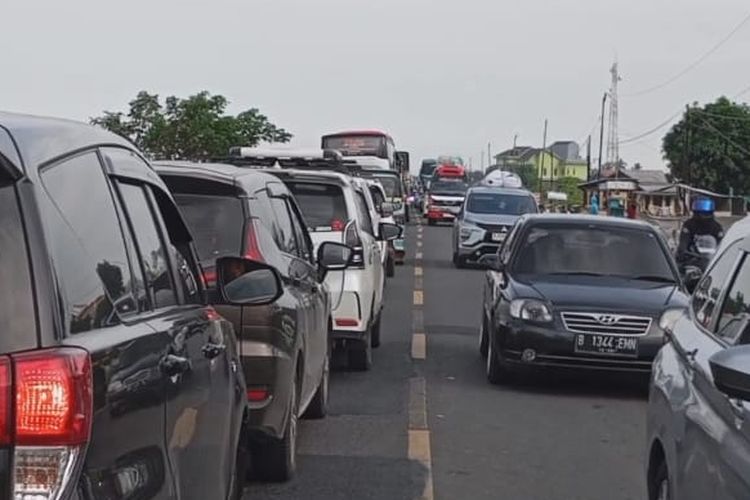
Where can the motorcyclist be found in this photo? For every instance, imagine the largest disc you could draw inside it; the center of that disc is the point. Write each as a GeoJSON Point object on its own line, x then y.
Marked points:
{"type": "Point", "coordinates": [702, 223]}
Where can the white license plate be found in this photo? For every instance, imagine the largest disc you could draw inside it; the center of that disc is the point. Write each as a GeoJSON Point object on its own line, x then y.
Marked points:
{"type": "Point", "coordinates": [498, 236]}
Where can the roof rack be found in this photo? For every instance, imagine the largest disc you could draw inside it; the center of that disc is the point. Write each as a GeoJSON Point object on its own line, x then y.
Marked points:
{"type": "Point", "coordinates": [314, 160]}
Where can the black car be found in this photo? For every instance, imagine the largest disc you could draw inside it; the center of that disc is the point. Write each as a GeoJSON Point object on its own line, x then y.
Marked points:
{"type": "Point", "coordinates": [284, 347]}
{"type": "Point", "coordinates": [116, 379]}
{"type": "Point", "coordinates": [577, 292]}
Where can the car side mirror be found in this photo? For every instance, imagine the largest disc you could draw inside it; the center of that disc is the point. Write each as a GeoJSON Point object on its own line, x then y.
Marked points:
{"type": "Point", "coordinates": [334, 256]}
{"type": "Point", "coordinates": [389, 232]}
{"type": "Point", "coordinates": [387, 209]}
{"type": "Point", "coordinates": [247, 282]}
{"type": "Point", "coordinates": [492, 261]}
{"type": "Point", "coordinates": [731, 371]}
{"type": "Point", "coordinates": [691, 278]}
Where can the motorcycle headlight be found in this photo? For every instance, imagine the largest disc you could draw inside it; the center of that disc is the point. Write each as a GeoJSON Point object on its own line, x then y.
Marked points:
{"type": "Point", "coordinates": [530, 310]}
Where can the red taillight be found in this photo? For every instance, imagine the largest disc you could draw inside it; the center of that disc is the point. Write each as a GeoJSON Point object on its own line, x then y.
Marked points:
{"type": "Point", "coordinates": [209, 278]}
{"type": "Point", "coordinates": [337, 225]}
{"type": "Point", "coordinates": [252, 247]}
{"type": "Point", "coordinates": [53, 404]}
{"type": "Point", "coordinates": [257, 394]}
{"type": "Point", "coordinates": [346, 322]}
{"type": "Point", "coordinates": [6, 433]}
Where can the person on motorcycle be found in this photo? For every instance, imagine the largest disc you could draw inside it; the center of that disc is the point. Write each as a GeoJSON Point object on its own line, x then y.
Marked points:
{"type": "Point", "coordinates": [702, 223]}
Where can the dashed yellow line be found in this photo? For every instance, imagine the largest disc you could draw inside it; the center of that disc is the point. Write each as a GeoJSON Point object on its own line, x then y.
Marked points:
{"type": "Point", "coordinates": [418, 298]}
{"type": "Point", "coordinates": [418, 256]}
{"type": "Point", "coordinates": [419, 451]}
{"type": "Point", "coordinates": [418, 271]}
{"type": "Point", "coordinates": [419, 346]}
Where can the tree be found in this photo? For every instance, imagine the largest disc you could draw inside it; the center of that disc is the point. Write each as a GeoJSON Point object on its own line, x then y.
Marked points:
{"type": "Point", "coordinates": [194, 128]}
{"type": "Point", "coordinates": [569, 186]}
{"type": "Point", "coordinates": [710, 147]}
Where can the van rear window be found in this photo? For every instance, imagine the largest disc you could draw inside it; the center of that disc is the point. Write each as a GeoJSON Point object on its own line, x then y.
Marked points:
{"type": "Point", "coordinates": [323, 206]}
{"type": "Point", "coordinates": [17, 320]}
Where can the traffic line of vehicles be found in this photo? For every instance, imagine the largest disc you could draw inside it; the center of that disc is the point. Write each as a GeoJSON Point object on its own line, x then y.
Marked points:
{"type": "Point", "coordinates": [605, 294]}
{"type": "Point", "coordinates": [165, 326]}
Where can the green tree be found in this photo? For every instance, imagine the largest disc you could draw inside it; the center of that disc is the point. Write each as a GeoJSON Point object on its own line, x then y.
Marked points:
{"type": "Point", "coordinates": [569, 186]}
{"type": "Point", "coordinates": [710, 147]}
{"type": "Point", "coordinates": [194, 128]}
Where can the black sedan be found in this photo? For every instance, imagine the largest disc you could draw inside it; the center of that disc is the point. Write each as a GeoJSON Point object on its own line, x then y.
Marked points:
{"type": "Point", "coordinates": [577, 292]}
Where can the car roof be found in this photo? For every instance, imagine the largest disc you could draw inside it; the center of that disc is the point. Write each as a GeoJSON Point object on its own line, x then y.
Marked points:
{"type": "Point", "coordinates": [583, 219]}
{"type": "Point", "coordinates": [499, 190]}
{"type": "Point", "coordinates": [311, 175]}
{"type": "Point", "coordinates": [247, 180]}
{"type": "Point", "coordinates": [35, 140]}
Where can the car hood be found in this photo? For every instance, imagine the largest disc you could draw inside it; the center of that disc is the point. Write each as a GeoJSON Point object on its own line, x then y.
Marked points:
{"type": "Point", "coordinates": [491, 219]}
{"type": "Point", "coordinates": [607, 294]}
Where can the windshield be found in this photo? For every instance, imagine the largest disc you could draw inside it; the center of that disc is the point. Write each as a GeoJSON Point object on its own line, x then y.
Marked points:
{"type": "Point", "coordinates": [391, 184]}
{"type": "Point", "coordinates": [427, 168]}
{"type": "Point", "coordinates": [496, 203]}
{"type": "Point", "coordinates": [601, 251]}
{"type": "Point", "coordinates": [323, 206]}
{"type": "Point", "coordinates": [446, 186]}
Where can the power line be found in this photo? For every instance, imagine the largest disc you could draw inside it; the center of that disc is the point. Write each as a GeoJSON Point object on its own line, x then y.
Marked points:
{"type": "Point", "coordinates": [653, 130]}
{"type": "Point", "coordinates": [718, 115]}
{"type": "Point", "coordinates": [695, 64]}
{"type": "Point", "coordinates": [723, 136]}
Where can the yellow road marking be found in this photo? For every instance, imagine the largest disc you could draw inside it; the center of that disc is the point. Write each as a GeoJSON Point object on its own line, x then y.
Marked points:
{"type": "Point", "coordinates": [419, 346]}
{"type": "Point", "coordinates": [419, 451]}
{"type": "Point", "coordinates": [418, 298]}
{"type": "Point", "coordinates": [418, 256]}
{"type": "Point", "coordinates": [417, 271]}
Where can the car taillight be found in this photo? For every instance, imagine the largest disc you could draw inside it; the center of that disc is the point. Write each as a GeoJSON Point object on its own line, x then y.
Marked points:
{"type": "Point", "coordinates": [51, 421]}
{"type": "Point", "coordinates": [257, 394]}
{"type": "Point", "coordinates": [354, 241]}
{"type": "Point", "coordinates": [252, 247]}
{"type": "Point", "coordinates": [6, 377]}
{"type": "Point", "coordinates": [209, 277]}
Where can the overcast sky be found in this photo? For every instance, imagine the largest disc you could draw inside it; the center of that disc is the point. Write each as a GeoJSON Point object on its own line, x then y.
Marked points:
{"type": "Point", "coordinates": [443, 76]}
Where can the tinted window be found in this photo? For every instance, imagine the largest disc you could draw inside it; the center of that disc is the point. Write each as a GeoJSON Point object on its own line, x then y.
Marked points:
{"type": "Point", "coordinates": [323, 206]}
{"type": "Point", "coordinates": [363, 213]}
{"type": "Point", "coordinates": [606, 251]}
{"type": "Point", "coordinates": [216, 223]}
{"type": "Point", "coordinates": [16, 301]}
{"type": "Point", "coordinates": [87, 247]}
{"type": "Point", "coordinates": [391, 184]}
{"type": "Point", "coordinates": [497, 203]}
{"type": "Point", "coordinates": [150, 246]}
{"type": "Point", "coordinates": [735, 312]}
{"type": "Point", "coordinates": [285, 237]}
{"type": "Point", "coordinates": [303, 241]}
{"type": "Point", "coordinates": [449, 187]}
{"type": "Point", "coordinates": [708, 291]}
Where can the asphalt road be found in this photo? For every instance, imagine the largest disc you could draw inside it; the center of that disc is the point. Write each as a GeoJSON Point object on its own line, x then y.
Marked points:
{"type": "Point", "coordinates": [554, 436]}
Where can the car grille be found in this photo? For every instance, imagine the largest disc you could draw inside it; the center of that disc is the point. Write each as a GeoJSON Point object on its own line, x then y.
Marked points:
{"type": "Point", "coordinates": [605, 323]}
{"type": "Point", "coordinates": [490, 229]}
{"type": "Point", "coordinates": [447, 203]}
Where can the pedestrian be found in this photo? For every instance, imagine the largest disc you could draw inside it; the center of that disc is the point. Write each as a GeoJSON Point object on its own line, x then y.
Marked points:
{"type": "Point", "coordinates": [594, 206]}
{"type": "Point", "coordinates": [632, 211]}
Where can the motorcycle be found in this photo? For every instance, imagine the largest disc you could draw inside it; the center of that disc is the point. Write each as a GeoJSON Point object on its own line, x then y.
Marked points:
{"type": "Point", "coordinates": [699, 257]}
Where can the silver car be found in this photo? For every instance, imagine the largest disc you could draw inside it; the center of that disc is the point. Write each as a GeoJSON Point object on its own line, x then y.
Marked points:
{"type": "Point", "coordinates": [699, 402]}
{"type": "Point", "coordinates": [486, 217]}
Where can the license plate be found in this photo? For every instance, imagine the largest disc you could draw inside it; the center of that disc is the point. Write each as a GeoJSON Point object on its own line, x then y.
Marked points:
{"type": "Point", "coordinates": [608, 345]}
{"type": "Point", "coordinates": [498, 236]}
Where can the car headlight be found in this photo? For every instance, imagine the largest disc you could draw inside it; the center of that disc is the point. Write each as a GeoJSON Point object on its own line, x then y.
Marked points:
{"type": "Point", "coordinates": [530, 310]}
{"type": "Point", "coordinates": [467, 230]}
{"type": "Point", "coordinates": [669, 319]}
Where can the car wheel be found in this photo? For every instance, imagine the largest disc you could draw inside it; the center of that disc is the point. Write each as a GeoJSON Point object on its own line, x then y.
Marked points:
{"type": "Point", "coordinates": [659, 489]}
{"type": "Point", "coordinates": [360, 354]}
{"type": "Point", "coordinates": [276, 459]}
{"type": "Point", "coordinates": [496, 373]}
{"type": "Point", "coordinates": [319, 405]}
{"type": "Point", "coordinates": [483, 337]}
{"type": "Point", "coordinates": [390, 267]}
{"type": "Point", "coordinates": [375, 333]}
{"type": "Point", "coordinates": [458, 261]}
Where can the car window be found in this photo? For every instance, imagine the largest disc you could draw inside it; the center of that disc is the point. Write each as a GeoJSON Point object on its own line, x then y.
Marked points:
{"type": "Point", "coordinates": [16, 300]}
{"type": "Point", "coordinates": [500, 204]}
{"type": "Point", "coordinates": [323, 206]}
{"type": "Point", "coordinates": [304, 244]}
{"type": "Point", "coordinates": [377, 197]}
{"type": "Point", "coordinates": [708, 291]}
{"type": "Point", "coordinates": [363, 213]}
{"type": "Point", "coordinates": [285, 236]}
{"type": "Point", "coordinates": [507, 248]}
{"type": "Point", "coordinates": [87, 247]}
{"type": "Point", "coordinates": [151, 249]}
{"type": "Point", "coordinates": [735, 312]}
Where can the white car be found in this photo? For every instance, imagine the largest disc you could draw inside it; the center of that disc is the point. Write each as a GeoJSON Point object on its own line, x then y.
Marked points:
{"type": "Point", "coordinates": [383, 210]}
{"type": "Point", "coordinates": [339, 207]}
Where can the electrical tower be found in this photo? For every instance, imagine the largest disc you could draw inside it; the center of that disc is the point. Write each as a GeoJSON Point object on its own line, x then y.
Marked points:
{"type": "Point", "coordinates": [613, 138]}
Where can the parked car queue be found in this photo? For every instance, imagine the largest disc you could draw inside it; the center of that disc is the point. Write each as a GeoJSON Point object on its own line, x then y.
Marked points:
{"type": "Point", "coordinates": [163, 326]}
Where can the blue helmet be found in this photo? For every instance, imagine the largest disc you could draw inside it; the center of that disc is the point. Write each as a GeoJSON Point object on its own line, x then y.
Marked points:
{"type": "Point", "coordinates": [704, 206]}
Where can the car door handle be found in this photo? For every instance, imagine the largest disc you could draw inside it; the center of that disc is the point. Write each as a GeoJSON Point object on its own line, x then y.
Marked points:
{"type": "Point", "coordinates": [172, 365]}
{"type": "Point", "coordinates": [212, 351]}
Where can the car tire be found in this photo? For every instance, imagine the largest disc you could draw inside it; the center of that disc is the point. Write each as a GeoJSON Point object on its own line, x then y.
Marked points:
{"type": "Point", "coordinates": [375, 333]}
{"type": "Point", "coordinates": [483, 339]}
{"type": "Point", "coordinates": [659, 487]}
{"type": "Point", "coordinates": [390, 267]}
{"type": "Point", "coordinates": [458, 261]}
{"type": "Point", "coordinates": [275, 460]}
{"type": "Point", "coordinates": [319, 405]}
{"type": "Point", "coordinates": [496, 373]}
{"type": "Point", "coordinates": [360, 354]}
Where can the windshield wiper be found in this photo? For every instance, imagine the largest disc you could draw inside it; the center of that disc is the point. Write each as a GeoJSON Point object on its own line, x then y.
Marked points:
{"type": "Point", "coordinates": [649, 277]}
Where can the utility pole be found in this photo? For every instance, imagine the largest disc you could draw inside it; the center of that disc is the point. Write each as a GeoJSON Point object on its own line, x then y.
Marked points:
{"type": "Point", "coordinates": [482, 161]}
{"type": "Point", "coordinates": [688, 155]}
{"type": "Point", "coordinates": [588, 159]}
{"type": "Point", "coordinates": [489, 154]}
{"type": "Point", "coordinates": [515, 139]}
{"type": "Point", "coordinates": [541, 166]}
{"type": "Point", "coordinates": [601, 136]}
{"type": "Point", "coordinates": [613, 140]}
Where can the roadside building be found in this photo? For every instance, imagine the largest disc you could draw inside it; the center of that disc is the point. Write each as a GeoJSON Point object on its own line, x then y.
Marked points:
{"type": "Point", "coordinates": [559, 160]}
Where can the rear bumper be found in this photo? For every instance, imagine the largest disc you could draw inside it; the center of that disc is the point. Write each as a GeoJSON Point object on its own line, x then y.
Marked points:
{"type": "Point", "coordinates": [439, 215]}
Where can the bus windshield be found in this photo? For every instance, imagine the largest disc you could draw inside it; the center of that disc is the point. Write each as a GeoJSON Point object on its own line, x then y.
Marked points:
{"type": "Point", "coordinates": [357, 145]}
